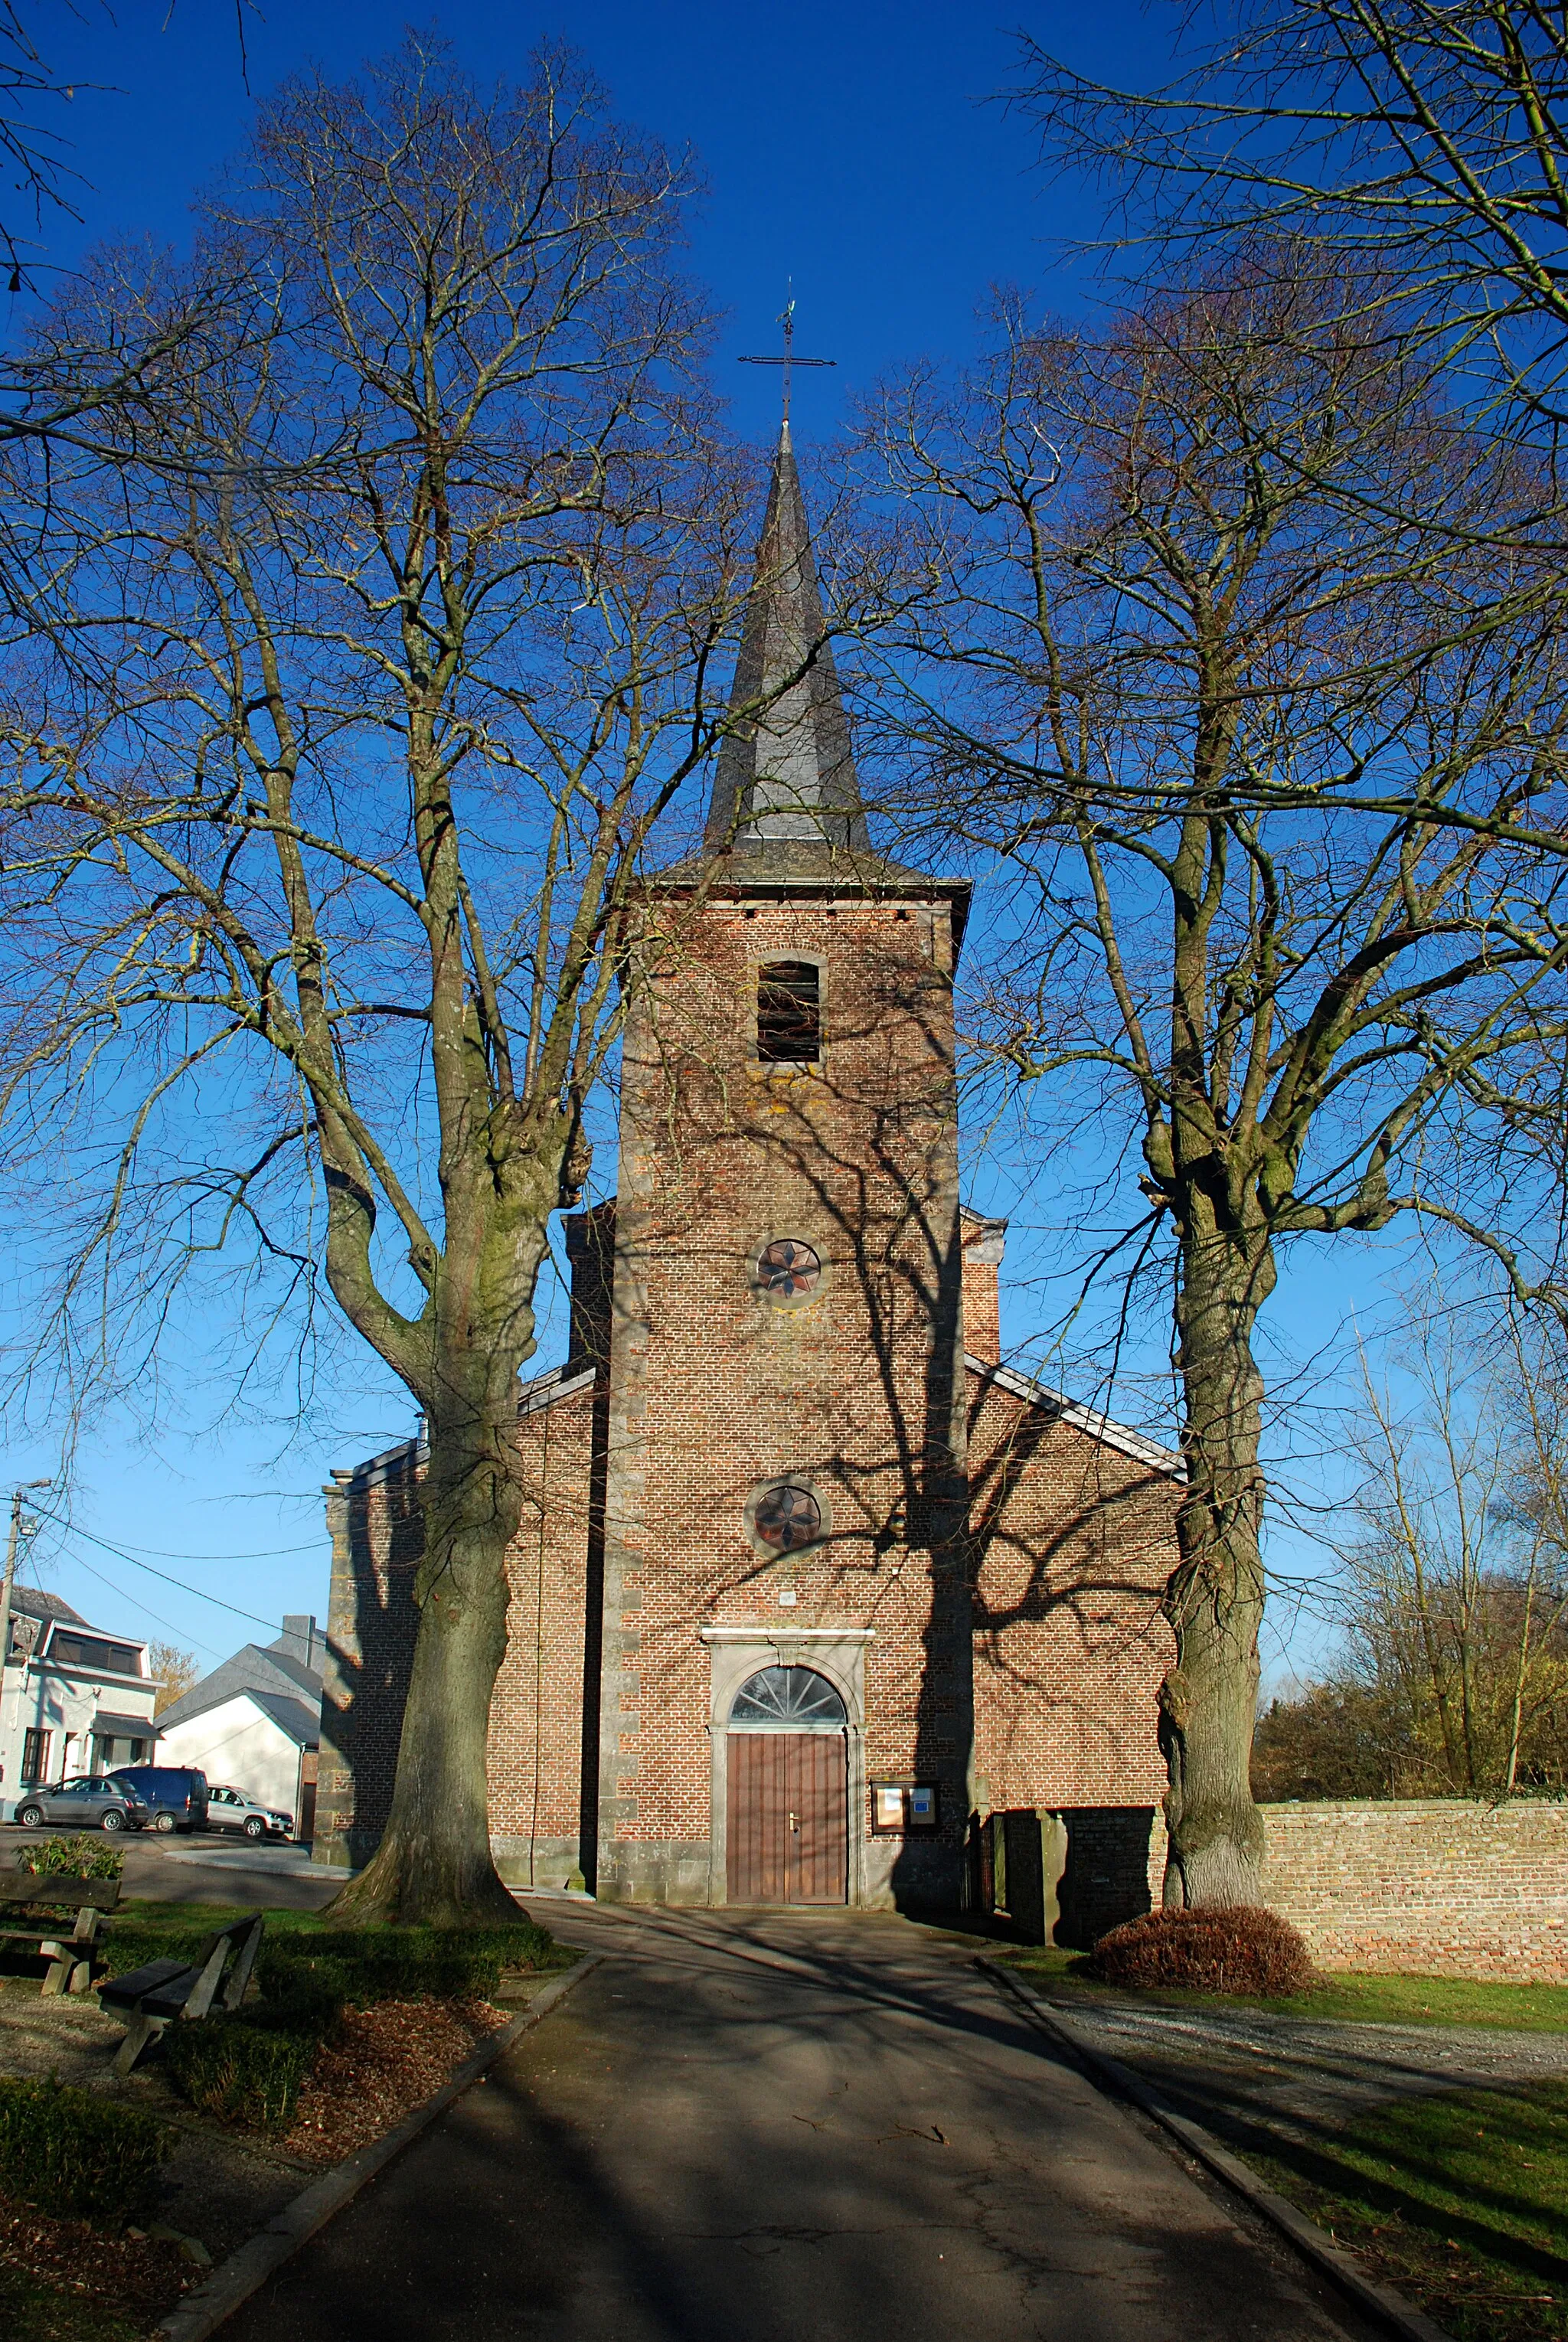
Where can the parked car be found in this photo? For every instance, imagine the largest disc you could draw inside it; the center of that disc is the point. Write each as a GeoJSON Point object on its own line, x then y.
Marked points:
{"type": "Point", "coordinates": [237, 1809]}
{"type": "Point", "coordinates": [86, 1801]}
{"type": "Point", "coordinates": [177, 1795]}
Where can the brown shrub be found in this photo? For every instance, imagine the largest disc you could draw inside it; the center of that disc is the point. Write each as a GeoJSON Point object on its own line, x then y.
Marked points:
{"type": "Point", "coordinates": [1235, 1948]}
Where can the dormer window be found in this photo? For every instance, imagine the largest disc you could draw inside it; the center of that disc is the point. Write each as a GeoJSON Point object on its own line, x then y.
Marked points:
{"type": "Point", "coordinates": [789, 1013]}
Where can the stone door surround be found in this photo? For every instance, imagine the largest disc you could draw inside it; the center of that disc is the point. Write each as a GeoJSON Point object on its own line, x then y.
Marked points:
{"type": "Point", "coordinates": [735, 1653]}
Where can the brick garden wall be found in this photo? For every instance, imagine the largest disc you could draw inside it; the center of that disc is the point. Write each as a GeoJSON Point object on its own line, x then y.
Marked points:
{"type": "Point", "coordinates": [1438, 1887]}
{"type": "Point", "coordinates": [1432, 1888]}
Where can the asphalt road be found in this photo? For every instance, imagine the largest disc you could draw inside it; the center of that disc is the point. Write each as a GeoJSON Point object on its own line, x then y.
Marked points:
{"type": "Point", "coordinates": [771, 2127]}
{"type": "Point", "coordinates": [205, 1867]}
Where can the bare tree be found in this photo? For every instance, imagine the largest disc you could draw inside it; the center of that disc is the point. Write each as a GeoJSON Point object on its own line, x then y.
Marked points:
{"type": "Point", "coordinates": [1453, 1596]}
{"type": "Point", "coordinates": [1169, 588]}
{"type": "Point", "coordinates": [334, 755]}
{"type": "Point", "coordinates": [1427, 141]}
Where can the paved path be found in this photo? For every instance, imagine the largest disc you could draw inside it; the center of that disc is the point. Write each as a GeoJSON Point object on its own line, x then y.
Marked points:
{"type": "Point", "coordinates": [773, 2127]}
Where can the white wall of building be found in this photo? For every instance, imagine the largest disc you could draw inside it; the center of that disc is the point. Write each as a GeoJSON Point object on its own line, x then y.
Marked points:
{"type": "Point", "coordinates": [239, 1745]}
{"type": "Point", "coordinates": [65, 1707]}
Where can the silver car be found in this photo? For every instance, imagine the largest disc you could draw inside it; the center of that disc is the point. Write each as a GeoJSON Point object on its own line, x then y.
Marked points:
{"type": "Point", "coordinates": [237, 1809]}
{"type": "Point", "coordinates": [87, 1801]}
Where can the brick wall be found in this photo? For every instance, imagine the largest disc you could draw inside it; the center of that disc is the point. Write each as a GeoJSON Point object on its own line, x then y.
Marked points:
{"type": "Point", "coordinates": [1072, 1543]}
{"type": "Point", "coordinates": [1438, 1887]}
{"type": "Point", "coordinates": [1432, 1888]}
{"type": "Point", "coordinates": [716, 1391]}
{"type": "Point", "coordinates": [536, 1736]}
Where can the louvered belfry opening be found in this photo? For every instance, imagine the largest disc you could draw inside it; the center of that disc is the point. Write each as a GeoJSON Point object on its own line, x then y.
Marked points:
{"type": "Point", "coordinates": [789, 1013]}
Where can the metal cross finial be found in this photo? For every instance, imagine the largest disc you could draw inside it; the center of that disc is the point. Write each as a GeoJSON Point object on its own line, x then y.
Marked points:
{"type": "Point", "coordinates": [789, 359]}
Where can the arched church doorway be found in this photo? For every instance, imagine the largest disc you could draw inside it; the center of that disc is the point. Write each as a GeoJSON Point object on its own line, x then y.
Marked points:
{"type": "Point", "coordinates": [788, 1791]}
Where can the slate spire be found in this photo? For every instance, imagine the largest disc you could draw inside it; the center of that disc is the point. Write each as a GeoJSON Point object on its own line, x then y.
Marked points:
{"type": "Point", "coordinates": [790, 776]}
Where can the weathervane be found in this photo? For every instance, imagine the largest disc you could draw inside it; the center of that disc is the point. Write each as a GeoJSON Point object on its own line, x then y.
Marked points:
{"type": "Point", "coordinates": [789, 359]}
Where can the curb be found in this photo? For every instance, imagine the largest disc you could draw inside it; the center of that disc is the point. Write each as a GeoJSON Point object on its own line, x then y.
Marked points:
{"type": "Point", "coordinates": [249, 2265]}
{"type": "Point", "coordinates": [1315, 2244]}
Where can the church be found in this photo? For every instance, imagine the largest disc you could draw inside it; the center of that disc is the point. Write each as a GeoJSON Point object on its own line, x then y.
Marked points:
{"type": "Point", "coordinates": [810, 1584]}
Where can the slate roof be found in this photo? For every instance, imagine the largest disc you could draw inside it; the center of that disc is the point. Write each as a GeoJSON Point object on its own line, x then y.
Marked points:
{"type": "Point", "coordinates": [267, 1674]}
{"type": "Point", "coordinates": [786, 811]}
{"type": "Point", "coordinates": [301, 1720]}
{"type": "Point", "coordinates": [792, 775]}
{"type": "Point", "coordinates": [33, 1603]}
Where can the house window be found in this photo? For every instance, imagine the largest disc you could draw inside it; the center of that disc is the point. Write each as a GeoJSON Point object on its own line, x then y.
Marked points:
{"type": "Point", "coordinates": [789, 1013]}
{"type": "Point", "coordinates": [87, 1651]}
{"type": "Point", "coordinates": [35, 1754]}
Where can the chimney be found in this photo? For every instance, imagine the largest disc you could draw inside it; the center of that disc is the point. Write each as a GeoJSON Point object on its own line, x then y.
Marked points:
{"type": "Point", "coordinates": [983, 1242]}
{"type": "Point", "coordinates": [303, 1640]}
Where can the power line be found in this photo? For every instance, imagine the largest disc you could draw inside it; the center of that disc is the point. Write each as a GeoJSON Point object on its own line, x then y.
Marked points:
{"type": "Point", "coordinates": [120, 1555]}
{"type": "Point", "coordinates": [182, 1631]}
{"type": "Point", "coordinates": [267, 1552]}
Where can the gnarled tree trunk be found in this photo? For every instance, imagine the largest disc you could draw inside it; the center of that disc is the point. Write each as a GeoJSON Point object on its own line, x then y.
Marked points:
{"type": "Point", "coordinates": [1213, 1599]}
{"type": "Point", "coordinates": [433, 1862]}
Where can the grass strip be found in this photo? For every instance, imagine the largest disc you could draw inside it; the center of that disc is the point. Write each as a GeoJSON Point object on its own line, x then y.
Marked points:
{"type": "Point", "coordinates": [1341, 1999]}
{"type": "Point", "coordinates": [1459, 2200]}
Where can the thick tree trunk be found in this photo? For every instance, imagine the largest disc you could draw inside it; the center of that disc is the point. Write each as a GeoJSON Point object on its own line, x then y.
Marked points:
{"type": "Point", "coordinates": [1214, 1596]}
{"type": "Point", "coordinates": [433, 1864]}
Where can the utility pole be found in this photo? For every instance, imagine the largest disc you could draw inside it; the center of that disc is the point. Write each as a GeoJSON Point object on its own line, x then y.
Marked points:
{"type": "Point", "coordinates": [13, 1546]}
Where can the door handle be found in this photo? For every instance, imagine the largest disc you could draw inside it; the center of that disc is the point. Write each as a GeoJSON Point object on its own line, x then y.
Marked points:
{"type": "Point", "coordinates": [794, 1823]}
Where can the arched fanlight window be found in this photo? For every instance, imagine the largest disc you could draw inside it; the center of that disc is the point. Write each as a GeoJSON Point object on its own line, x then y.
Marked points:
{"type": "Point", "coordinates": [787, 1699]}
{"type": "Point", "coordinates": [789, 1013]}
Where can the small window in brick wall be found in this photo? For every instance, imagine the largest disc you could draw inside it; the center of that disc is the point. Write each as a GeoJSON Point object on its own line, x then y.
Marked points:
{"type": "Point", "coordinates": [789, 1013]}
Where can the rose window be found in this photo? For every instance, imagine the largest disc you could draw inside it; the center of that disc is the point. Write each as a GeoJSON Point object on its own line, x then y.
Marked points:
{"type": "Point", "coordinates": [787, 1270]}
{"type": "Point", "coordinates": [787, 1519]}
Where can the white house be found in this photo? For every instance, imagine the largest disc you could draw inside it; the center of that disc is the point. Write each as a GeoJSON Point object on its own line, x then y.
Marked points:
{"type": "Point", "coordinates": [74, 1698]}
{"type": "Point", "coordinates": [255, 1723]}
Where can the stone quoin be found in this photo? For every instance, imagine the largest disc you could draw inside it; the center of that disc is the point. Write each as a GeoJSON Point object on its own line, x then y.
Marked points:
{"type": "Point", "coordinates": [784, 1492]}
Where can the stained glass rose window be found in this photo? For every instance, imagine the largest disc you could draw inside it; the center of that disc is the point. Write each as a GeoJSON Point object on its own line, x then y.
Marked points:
{"type": "Point", "coordinates": [788, 1270]}
{"type": "Point", "coordinates": [787, 1517]}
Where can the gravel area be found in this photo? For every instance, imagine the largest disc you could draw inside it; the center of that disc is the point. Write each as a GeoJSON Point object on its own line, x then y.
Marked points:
{"type": "Point", "coordinates": [68, 2035]}
{"type": "Point", "coordinates": [1299, 2075]}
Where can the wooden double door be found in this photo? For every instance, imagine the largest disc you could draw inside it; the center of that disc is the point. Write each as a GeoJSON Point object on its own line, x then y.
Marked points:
{"type": "Point", "coordinates": [788, 1826]}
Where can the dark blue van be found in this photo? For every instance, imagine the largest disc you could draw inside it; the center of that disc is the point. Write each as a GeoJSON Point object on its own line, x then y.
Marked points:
{"type": "Point", "coordinates": [177, 1795]}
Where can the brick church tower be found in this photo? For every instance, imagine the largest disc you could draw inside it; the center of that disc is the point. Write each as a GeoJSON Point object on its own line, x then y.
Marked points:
{"type": "Point", "coordinates": [787, 1485]}
{"type": "Point", "coordinates": [808, 1579]}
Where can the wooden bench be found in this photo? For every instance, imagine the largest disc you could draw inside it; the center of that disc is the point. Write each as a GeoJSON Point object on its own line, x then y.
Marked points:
{"type": "Point", "coordinates": [152, 1997]}
{"type": "Point", "coordinates": [45, 1903]}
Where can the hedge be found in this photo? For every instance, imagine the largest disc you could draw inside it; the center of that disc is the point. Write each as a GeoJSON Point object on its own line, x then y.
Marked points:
{"type": "Point", "coordinates": [241, 2067]}
{"type": "Point", "coordinates": [69, 2152]}
{"type": "Point", "coordinates": [249, 2066]}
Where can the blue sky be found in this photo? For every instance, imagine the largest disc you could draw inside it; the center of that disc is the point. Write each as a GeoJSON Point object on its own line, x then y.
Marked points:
{"type": "Point", "coordinates": [852, 150]}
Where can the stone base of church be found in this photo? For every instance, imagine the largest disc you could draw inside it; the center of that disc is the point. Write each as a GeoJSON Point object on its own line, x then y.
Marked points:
{"type": "Point", "coordinates": [656, 1870]}
{"type": "Point", "coordinates": [553, 1862]}
{"type": "Point", "coordinates": [894, 1876]}
{"type": "Point", "coordinates": [902, 1874]}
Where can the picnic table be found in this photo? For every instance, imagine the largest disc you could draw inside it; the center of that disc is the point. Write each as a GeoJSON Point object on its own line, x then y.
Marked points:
{"type": "Point", "coordinates": [60, 1918]}
{"type": "Point", "coordinates": [150, 1999]}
